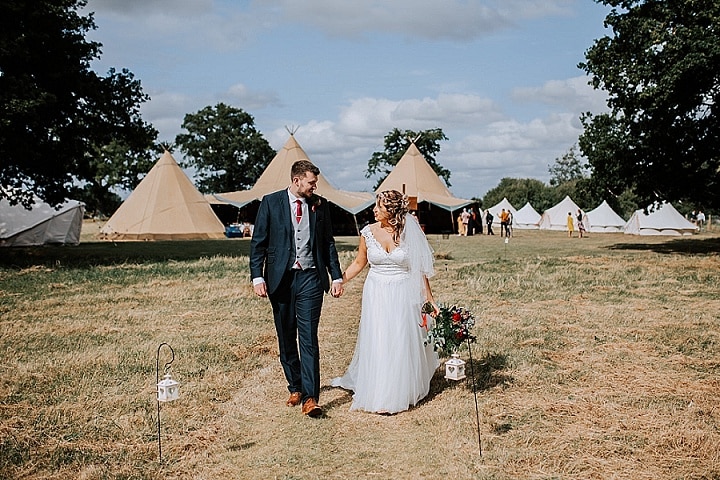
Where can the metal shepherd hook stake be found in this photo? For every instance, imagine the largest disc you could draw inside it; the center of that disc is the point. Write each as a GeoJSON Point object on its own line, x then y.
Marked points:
{"type": "Point", "coordinates": [157, 381]}
{"type": "Point", "coordinates": [477, 411]}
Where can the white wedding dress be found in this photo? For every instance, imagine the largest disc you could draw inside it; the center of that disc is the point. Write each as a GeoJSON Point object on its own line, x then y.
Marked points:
{"type": "Point", "coordinates": [391, 367]}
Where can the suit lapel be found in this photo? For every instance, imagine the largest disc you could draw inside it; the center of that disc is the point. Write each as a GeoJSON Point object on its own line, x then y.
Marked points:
{"type": "Point", "coordinates": [313, 220]}
{"type": "Point", "coordinates": [285, 213]}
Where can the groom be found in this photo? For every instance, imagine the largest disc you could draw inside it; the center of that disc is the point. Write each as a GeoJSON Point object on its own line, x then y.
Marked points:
{"type": "Point", "coordinates": [292, 251]}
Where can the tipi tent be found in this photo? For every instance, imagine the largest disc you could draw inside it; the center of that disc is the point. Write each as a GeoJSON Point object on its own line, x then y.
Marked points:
{"type": "Point", "coordinates": [526, 218]}
{"type": "Point", "coordinates": [414, 176]}
{"type": "Point", "coordinates": [277, 176]}
{"type": "Point", "coordinates": [555, 218]}
{"type": "Point", "coordinates": [497, 208]}
{"type": "Point", "coordinates": [603, 219]}
{"type": "Point", "coordinates": [663, 221]}
{"type": "Point", "coordinates": [20, 227]}
{"type": "Point", "coordinates": [164, 206]}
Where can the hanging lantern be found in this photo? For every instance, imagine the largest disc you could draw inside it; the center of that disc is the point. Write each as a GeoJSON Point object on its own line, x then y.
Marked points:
{"type": "Point", "coordinates": [455, 368]}
{"type": "Point", "coordinates": [168, 389]}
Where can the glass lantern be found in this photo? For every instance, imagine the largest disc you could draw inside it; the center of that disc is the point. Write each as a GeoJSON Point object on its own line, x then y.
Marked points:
{"type": "Point", "coordinates": [168, 389]}
{"type": "Point", "coordinates": [455, 368]}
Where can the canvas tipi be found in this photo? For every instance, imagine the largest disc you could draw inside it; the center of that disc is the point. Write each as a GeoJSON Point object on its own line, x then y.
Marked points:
{"type": "Point", "coordinates": [603, 219]}
{"type": "Point", "coordinates": [526, 218]}
{"type": "Point", "coordinates": [164, 206]}
{"type": "Point", "coordinates": [665, 220]}
{"type": "Point", "coordinates": [414, 176]}
{"type": "Point", "coordinates": [277, 176]}
{"type": "Point", "coordinates": [42, 225]}
{"type": "Point", "coordinates": [555, 218]}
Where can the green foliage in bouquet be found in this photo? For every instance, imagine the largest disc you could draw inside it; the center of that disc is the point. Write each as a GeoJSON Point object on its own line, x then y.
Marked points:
{"type": "Point", "coordinates": [450, 330]}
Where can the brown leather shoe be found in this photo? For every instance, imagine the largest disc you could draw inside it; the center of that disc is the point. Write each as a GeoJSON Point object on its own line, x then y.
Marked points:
{"type": "Point", "coordinates": [294, 399]}
{"type": "Point", "coordinates": [311, 409]}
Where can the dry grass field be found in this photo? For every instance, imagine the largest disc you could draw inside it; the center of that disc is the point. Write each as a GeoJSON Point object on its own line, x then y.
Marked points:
{"type": "Point", "coordinates": [597, 358]}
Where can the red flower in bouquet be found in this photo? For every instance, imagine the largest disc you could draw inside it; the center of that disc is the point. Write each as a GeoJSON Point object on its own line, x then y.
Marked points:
{"type": "Point", "coordinates": [450, 330]}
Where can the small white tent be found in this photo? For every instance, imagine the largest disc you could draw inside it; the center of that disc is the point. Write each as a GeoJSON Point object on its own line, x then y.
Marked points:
{"type": "Point", "coordinates": [555, 218]}
{"type": "Point", "coordinates": [603, 219]}
{"type": "Point", "coordinates": [20, 227]}
{"type": "Point", "coordinates": [498, 207]}
{"type": "Point", "coordinates": [665, 220]}
{"type": "Point", "coordinates": [526, 218]}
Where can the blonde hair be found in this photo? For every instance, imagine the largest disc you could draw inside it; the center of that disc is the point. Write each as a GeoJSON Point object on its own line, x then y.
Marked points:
{"type": "Point", "coordinates": [396, 205]}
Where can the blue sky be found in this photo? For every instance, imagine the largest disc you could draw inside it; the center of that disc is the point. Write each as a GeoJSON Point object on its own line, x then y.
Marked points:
{"type": "Point", "coordinates": [499, 77]}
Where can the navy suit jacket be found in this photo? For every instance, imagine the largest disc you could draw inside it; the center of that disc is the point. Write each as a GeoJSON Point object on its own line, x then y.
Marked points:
{"type": "Point", "coordinates": [272, 248]}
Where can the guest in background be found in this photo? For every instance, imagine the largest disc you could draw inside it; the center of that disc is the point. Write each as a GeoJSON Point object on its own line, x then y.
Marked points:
{"type": "Point", "coordinates": [488, 221]}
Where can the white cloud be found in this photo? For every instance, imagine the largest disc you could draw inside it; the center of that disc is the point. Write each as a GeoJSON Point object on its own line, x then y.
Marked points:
{"type": "Point", "coordinates": [174, 45]}
{"type": "Point", "coordinates": [134, 8]}
{"type": "Point", "coordinates": [190, 24]}
{"type": "Point", "coordinates": [573, 94]}
{"type": "Point", "coordinates": [166, 110]}
{"type": "Point", "coordinates": [370, 117]}
{"type": "Point", "coordinates": [449, 19]}
{"type": "Point", "coordinates": [483, 148]}
{"type": "Point", "coordinates": [243, 97]}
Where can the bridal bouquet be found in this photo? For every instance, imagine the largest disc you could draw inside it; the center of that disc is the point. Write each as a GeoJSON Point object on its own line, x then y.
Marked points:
{"type": "Point", "coordinates": [450, 330]}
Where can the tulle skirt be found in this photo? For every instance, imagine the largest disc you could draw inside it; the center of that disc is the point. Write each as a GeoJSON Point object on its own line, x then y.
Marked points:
{"type": "Point", "coordinates": [391, 368]}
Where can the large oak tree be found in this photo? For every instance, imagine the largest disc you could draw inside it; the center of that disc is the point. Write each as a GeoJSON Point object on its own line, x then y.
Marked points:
{"type": "Point", "coordinates": [224, 147]}
{"type": "Point", "coordinates": [65, 131]}
{"type": "Point", "coordinates": [660, 70]}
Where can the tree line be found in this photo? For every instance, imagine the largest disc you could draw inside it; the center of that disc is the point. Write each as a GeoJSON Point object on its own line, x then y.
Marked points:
{"type": "Point", "coordinates": [69, 132]}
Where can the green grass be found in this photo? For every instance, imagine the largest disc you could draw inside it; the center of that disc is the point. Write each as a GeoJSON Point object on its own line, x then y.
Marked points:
{"type": "Point", "coordinates": [595, 358]}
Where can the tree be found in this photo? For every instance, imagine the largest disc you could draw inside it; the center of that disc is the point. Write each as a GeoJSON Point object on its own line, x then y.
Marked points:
{"type": "Point", "coordinates": [660, 70]}
{"type": "Point", "coordinates": [566, 168]}
{"type": "Point", "coordinates": [118, 164]}
{"type": "Point", "coordinates": [57, 115]}
{"type": "Point", "coordinates": [224, 147]}
{"type": "Point", "coordinates": [397, 143]}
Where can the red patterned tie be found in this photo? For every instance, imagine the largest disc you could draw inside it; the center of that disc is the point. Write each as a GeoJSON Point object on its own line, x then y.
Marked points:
{"type": "Point", "coordinates": [298, 211]}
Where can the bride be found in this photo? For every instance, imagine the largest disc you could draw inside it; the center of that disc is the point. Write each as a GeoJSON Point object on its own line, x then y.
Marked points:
{"type": "Point", "coordinates": [391, 367]}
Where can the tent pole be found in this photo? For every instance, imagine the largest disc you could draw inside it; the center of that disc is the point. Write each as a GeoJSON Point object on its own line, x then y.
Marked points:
{"type": "Point", "coordinates": [357, 229]}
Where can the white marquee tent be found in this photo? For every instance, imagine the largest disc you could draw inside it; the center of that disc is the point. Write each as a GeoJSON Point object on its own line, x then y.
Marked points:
{"type": "Point", "coordinates": [526, 218]}
{"type": "Point", "coordinates": [603, 219]}
{"type": "Point", "coordinates": [42, 225]}
{"type": "Point", "coordinates": [555, 218]}
{"type": "Point", "coordinates": [497, 208]}
{"type": "Point", "coordinates": [665, 220]}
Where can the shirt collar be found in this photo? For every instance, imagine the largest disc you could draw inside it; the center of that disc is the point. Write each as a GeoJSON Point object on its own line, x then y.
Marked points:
{"type": "Point", "coordinates": [293, 198]}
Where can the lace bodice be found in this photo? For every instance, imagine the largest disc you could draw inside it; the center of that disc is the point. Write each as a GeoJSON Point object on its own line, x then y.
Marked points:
{"type": "Point", "coordinates": [381, 262]}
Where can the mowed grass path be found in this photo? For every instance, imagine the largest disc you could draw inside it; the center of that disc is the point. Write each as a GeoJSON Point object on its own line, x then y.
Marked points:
{"type": "Point", "coordinates": [596, 358]}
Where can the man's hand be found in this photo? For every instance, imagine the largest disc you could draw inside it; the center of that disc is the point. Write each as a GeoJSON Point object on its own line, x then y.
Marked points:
{"type": "Point", "coordinates": [337, 289]}
{"type": "Point", "coordinates": [260, 289]}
